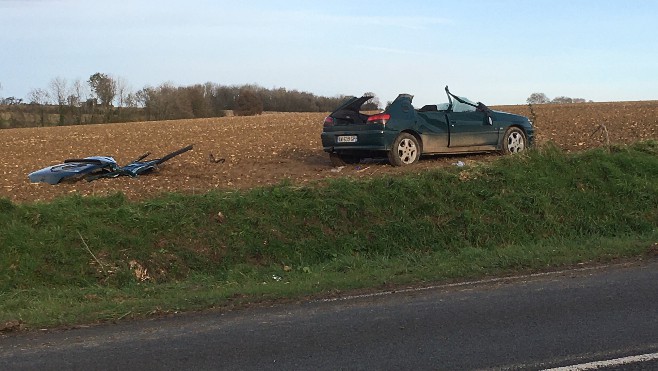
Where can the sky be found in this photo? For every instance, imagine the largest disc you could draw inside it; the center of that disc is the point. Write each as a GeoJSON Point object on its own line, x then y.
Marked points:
{"type": "Point", "coordinates": [493, 51]}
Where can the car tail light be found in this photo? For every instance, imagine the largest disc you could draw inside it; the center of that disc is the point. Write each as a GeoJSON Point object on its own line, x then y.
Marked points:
{"type": "Point", "coordinates": [380, 118]}
{"type": "Point", "coordinates": [328, 121]}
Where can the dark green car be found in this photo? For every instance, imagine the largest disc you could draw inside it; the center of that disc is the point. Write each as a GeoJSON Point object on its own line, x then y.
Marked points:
{"type": "Point", "coordinates": [404, 133]}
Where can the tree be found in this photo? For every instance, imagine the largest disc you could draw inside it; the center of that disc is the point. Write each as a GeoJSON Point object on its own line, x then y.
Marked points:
{"type": "Point", "coordinates": [59, 91]}
{"type": "Point", "coordinates": [104, 87]}
{"type": "Point", "coordinates": [78, 94]}
{"type": "Point", "coordinates": [372, 104]}
{"type": "Point", "coordinates": [199, 101]}
{"type": "Point", "coordinates": [538, 98]}
{"type": "Point", "coordinates": [248, 103]}
{"type": "Point", "coordinates": [122, 90]}
{"type": "Point", "coordinates": [40, 98]}
{"type": "Point", "coordinates": [562, 99]}
{"type": "Point", "coordinates": [10, 101]}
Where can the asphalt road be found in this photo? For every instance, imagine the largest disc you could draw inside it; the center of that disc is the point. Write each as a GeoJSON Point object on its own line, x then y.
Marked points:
{"type": "Point", "coordinates": [534, 322]}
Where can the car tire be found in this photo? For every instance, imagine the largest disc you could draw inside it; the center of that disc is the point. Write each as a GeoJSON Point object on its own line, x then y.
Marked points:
{"type": "Point", "coordinates": [514, 141]}
{"type": "Point", "coordinates": [342, 160]}
{"type": "Point", "coordinates": [405, 151]}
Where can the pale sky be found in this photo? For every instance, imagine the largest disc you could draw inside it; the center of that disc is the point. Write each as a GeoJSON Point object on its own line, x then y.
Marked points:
{"type": "Point", "coordinates": [496, 51]}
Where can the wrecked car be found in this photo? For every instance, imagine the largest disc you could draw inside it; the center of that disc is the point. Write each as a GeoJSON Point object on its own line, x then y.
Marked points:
{"type": "Point", "coordinates": [403, 133]}
{"type": "Point", "coordinates": [97, 167]}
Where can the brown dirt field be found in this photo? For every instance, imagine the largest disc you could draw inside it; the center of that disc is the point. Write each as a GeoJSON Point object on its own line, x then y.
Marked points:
{"type": "Point", "coordinates": [264, 150]}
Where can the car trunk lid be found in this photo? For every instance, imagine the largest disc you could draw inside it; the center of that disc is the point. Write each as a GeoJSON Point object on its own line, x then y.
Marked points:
{"type": "Point", "coordinates": [348, 113]}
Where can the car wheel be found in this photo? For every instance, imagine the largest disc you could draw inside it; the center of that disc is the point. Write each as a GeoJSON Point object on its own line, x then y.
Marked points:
{"type": "Point", "coordinates": [405, 151]}
{"type": "Point", "coordinates": [514, 141]}
{"type": "Point", "coordinates": [342, 160]}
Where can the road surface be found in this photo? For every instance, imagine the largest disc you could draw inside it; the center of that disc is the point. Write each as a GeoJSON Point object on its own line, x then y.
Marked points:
{"type": "Point", "coordinates": [574, 317]}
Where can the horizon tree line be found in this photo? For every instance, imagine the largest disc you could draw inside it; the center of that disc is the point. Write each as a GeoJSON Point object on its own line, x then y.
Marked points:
{"type": "Point", "coordinates": [109, 96]}
{"type": "Point", "coordinates": [541, 98]}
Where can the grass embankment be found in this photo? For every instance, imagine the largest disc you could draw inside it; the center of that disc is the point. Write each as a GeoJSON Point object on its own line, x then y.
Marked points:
{"type": "Point", "coordinates": [83, 259]}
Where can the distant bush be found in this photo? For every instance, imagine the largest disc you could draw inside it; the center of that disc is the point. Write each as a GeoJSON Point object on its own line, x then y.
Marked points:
{"type": "Point", "coordinates": [541, 98]}
{"type": "Point", "coordinates": [248, 103]}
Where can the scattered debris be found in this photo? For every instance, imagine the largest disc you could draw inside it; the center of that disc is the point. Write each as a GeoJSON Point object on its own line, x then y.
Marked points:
{"type": "Point", "coordinates": [96, 167]}
{"type": "Point", "coordinates": [360, 169]}
{"type": "Point", "coordinates": [216, 160]}
{"type": "Point", "coordinates": [140, 272]}
{"type": "Point", "coordinates": [337, 169]}
{"type": "Point", "coordinates": [459, 163]}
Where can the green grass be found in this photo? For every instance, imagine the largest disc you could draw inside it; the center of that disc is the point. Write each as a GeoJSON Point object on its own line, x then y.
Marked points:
{"type": "Point", "coordinates": [75, 260]}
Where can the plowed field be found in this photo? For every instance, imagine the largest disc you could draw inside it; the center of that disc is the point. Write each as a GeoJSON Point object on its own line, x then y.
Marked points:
{"type": "Point", "coordinates": [264, 149]}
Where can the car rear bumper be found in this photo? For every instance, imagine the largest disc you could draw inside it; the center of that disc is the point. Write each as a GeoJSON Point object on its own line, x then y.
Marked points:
{"type": "Point", "coordinates": [369, 140]}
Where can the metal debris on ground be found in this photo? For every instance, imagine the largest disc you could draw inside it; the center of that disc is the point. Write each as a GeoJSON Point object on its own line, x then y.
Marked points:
{"type": "Point", "coordinates": [216, 160]}
{"type": "Point", "coordinates": [337, 169]}
{"type": "Point", "coordinates": [96, 167]}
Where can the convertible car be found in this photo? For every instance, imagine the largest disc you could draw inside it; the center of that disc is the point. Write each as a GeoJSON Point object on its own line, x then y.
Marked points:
{"type": "Point", "coordinates": [404, 133]}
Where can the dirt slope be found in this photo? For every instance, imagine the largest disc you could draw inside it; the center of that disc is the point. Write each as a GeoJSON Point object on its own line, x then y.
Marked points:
{"type": "Point", "coordinates": [263, 150]}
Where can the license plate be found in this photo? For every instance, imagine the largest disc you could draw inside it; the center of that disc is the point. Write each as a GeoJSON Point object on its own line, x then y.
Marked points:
{"type": "Point", "coordinates": [346, 139]}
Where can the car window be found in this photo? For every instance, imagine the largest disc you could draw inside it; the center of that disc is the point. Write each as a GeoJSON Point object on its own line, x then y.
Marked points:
{"type": "Point", "coordinates": [462, 107]}
{"type": "Point", "coordinates": [442, 106]}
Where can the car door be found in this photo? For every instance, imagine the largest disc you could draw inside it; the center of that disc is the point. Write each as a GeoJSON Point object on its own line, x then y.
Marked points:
{"type": "Point", "coordinates": [433, 129]}
{"type": "Point", "coordinates": [469, 127]}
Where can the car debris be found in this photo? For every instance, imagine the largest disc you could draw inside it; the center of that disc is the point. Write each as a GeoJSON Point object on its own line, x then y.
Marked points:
{"type": "Point", "coordinates": [97, 167]}
{"type": "Point", "coordinates": [214, 160]}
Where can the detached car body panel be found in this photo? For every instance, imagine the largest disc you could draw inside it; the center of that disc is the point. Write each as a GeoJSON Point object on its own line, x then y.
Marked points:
{"type": "Point", "coordinates": [459, 126]}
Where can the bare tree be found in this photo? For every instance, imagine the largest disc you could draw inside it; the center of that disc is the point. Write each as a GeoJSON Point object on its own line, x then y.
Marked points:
{"type": "Point", "coordinates": [59, 90]}
{"type": "Point", "coordinates": [78, 94]}
{"type": "Point", "coordinates": [122, 91]}
{"type": "Point", "coordinates": [38, 96]}
{"type": "Point", "coordinates": [538, 98]}
{"type": "Point", "coordinates": [132, 100]}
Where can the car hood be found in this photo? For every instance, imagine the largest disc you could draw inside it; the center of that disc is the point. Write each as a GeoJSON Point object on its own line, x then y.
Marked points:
{"type": "Point", "coordinates": [72, 168]}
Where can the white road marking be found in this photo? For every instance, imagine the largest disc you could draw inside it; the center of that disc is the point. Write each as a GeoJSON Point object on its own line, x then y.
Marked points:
{"type": "Point", "coordinates": [467, 283]}
{"type": "Point", "coordinates": [608, 363]}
